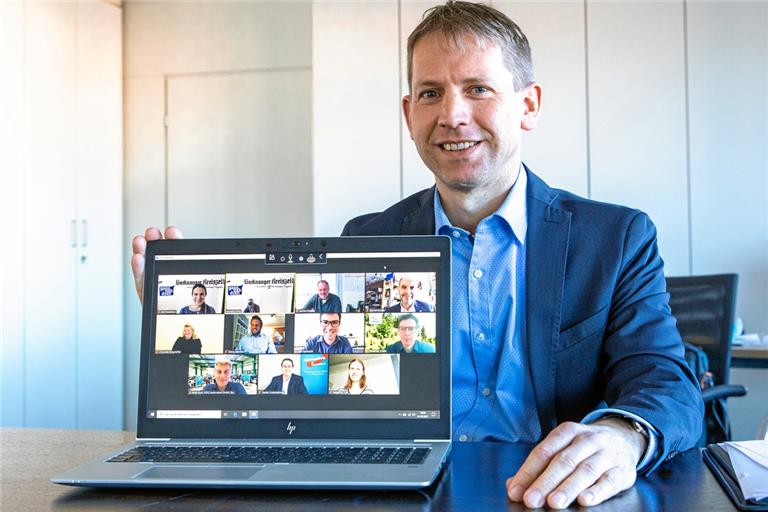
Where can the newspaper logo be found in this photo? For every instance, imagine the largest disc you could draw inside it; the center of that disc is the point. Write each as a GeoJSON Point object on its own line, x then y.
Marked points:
{"type": "Point", "coordinates": [166, 291]}
{"type": "Point", "coordinates": [235, 290]}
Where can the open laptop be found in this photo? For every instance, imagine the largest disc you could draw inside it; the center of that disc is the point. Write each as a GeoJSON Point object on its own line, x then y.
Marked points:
{"type": "Point", "coordinates": [251, 377]}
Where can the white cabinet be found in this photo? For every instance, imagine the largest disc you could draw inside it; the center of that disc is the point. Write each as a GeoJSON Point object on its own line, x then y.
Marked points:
{"type": "Point", "coordinates": [62, 327]}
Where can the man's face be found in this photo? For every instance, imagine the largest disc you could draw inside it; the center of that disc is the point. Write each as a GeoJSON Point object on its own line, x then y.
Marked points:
{"type": "Point", "coordinates": [406, 288]}
{"type": "Point", "coordinates": [464, 115]}
{"type": "Point", "coordinates": [222, 373]}
{"type": "Point", "coordinates": [407, 332]}
{"type": "Point", "coordinates": [322, 290]}
{"type": "Point", "coordinates": [330, 324]}
{"type": "Point", "coordinates": [255, 327]}
{"type": "Point", "coordinates": [198, 296]}
{"type": "Point", "coordinates": [287, 368]}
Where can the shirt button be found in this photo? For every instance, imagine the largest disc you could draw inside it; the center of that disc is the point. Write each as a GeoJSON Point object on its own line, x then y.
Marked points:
{"type": "Point", "coordinates": [480, 336]}
{"type": "Point", "coordinates": [463, 437]}
{"type": "Point", "coordinates": [486, 392]}
{"type": "Point", "coordinates": [477, 273]}
{"type": "Point", "coordinates": [456, 234]}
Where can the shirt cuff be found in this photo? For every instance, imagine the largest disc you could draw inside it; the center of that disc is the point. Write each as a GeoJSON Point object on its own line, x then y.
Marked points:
{"type": "Point", "coordinates": [653, 434]}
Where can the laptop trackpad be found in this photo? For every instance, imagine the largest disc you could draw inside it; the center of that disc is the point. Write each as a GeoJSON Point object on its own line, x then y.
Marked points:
{"type": "Point", "coordinates": [199, 473]}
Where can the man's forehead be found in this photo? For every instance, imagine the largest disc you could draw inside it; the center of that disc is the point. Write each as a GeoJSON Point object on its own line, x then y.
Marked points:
{"type": "Point", "coordinates": [436, 52]}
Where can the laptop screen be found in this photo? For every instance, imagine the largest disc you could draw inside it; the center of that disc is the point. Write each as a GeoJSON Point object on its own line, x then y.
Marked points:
{"type": "Point", "coordinates": [302, 338]}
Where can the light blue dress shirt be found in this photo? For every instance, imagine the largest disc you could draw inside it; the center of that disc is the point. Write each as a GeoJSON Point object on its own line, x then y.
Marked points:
{"type": "Point", "coordinates": [259, 344]}
{"type": "Point", "coordinates": [494, 401]}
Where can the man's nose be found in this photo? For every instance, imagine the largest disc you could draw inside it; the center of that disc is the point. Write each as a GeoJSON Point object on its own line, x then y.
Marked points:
{"type": "Point", "coordinates": [455, 111]}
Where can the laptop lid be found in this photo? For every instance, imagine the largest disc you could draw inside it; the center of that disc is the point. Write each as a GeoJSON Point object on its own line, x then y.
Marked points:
{"type": "Point", "coordinates": [310, 338]}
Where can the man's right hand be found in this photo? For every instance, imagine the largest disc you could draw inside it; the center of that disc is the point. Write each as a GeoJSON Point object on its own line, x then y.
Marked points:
{"type": "Point", "coordinates": [139, 249]}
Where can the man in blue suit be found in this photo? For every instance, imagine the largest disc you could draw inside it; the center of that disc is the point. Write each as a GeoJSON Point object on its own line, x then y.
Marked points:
{"type": "Point", "coordinates": [559, 302]}
{"type": "Point", "coordinates": [407, 303]}
{"type": "Point", "coordinates": [562, 333]}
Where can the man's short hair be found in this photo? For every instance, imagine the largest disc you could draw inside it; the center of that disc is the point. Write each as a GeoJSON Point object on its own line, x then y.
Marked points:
{"type": "Point", "coordinates": [257, 317]}
{"type": "Point", "coordinates": [331, 313]}
{"type": "Point", "coordinates": [408, 316]}
{"type": "Point", "coordinates": [323, 281]}
{"type": "Point", "coordinates": [287, 359]}
{"type": "Point", "coordinates": [223, 362]}
{"type": "Point", "coordinates": [456, 19]}
{"type": "Point", "coordinates": [200, 285]}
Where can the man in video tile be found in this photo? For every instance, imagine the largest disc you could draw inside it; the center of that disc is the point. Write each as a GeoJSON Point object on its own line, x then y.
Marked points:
{"type": "Point", "coordinates": [407, 303]}
{"type": "Point", "coordinates": [287, 383]}
{"type": "Point", "coordinates": [222, 374]}
{"type": "Point", "coordinates": [407, 329]}
{"type": "Point", "coordinates": [256, 342]}
{"type": "Point", "coordinates": [329, 342]}
{"type": "Point", "coordinates": [198, 306]}
{"type": "Point", "coordinates": [252, 307]}
{"type": "Point", "coordinates": [323, 301]}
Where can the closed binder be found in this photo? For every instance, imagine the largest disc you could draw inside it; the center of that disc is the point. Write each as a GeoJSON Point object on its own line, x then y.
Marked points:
{"type": "Point", "coordinates": [720, 463]}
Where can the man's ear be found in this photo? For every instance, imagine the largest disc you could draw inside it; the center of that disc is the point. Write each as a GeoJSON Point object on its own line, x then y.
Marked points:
{"type": "Point", "coordinates": [531, 106]}
{"type": "Point", "coordinates": [407, 112]}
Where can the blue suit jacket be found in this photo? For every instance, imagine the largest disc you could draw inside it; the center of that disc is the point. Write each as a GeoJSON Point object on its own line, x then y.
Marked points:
{"type": "Point", "coordinates": [600, 330]}
{"type": "Point", "coordinates": [419, 306]}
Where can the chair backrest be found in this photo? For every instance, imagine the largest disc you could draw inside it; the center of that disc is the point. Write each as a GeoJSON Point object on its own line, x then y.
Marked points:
{"type": "Point", "coordinates": [704, 308]}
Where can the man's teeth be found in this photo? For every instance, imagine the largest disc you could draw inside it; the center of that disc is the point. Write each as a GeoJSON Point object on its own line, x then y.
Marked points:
{"type": "Point", "coordinates": [458, 147]}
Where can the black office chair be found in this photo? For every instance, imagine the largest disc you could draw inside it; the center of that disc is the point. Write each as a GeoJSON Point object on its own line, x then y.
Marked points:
{"type": "Point", "coordinates": [704, 308]}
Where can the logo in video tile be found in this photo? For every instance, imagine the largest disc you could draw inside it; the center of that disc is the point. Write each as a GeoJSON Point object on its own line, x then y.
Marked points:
{"type": "Point", "coordinates": [166, 291]}
{"type": "Point", "coordinates": [235, 290]}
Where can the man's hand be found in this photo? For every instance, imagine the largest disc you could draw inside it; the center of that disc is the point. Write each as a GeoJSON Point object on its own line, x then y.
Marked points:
{"type": "Point", "coordinates": [588, 463]}
{"type": "Point", "coordinates": [139, 249]}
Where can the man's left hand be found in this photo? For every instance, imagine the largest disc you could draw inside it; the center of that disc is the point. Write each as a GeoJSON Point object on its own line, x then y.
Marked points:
{"type": "Point", "coordinates": [588, 463]}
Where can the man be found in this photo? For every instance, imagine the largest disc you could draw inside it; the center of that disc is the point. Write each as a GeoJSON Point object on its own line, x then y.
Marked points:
{"type": "Point", "coordinates": [221, 374]}
{"type": "Point", "coordinates": [287, 383]}
{"type": "Point", "coordinates": [329, 342]}
{"type": "Point", "coordinates": [558, 302]}
{"type": "Point", "coordinates": [198, 306]}
{"type": "Point", "coordinates": [256, 342]}
{"type": "Point", "coordinates": [407, 303]}
{"type": "Point", "coordinates": [251, 307]}
{"type": "Point", "coordinates": [323, 301]}
{"type": "Point", "coordinates": [407, 327]}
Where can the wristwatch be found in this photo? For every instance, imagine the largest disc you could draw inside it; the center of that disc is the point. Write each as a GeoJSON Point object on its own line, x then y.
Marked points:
{"type": "Point", "coordinates": [636, 425]}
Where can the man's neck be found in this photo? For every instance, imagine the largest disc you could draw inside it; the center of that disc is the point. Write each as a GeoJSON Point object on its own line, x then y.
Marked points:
{"type": "Point", "coordinates": [466, 208]}
{"type": "Point", "coordinates": [329, 341]}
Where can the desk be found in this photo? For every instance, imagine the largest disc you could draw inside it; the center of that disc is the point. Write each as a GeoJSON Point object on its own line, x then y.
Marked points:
{"type": "Point", "coordinates": [749, 357]}
{"type": "Point", "coordinates": [474, 480]}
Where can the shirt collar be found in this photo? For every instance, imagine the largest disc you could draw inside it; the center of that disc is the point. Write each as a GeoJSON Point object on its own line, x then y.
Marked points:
{"type": "Point", "coordinates": [513, 210]}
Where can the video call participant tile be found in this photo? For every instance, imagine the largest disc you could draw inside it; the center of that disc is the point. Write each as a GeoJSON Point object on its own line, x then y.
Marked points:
{"type": "Point", "coordinates": [189, 334]}
{"type": "Point", "coordinates": [259, 293]}
{"type": "Point", "coordinates": [223, 374]}
{"type": "Point", "coordinates": [257, 333]}
{"type": "Point", "coordinates": [329, 333]}
{"type": "Point", "coordinates": [322, 293]}
{"type": "Point", "coordinates": [294, 374]}
{"type": "Point", "coordinates": [190, 294]}
{"type": "Point", "coordinates": [400, 292]}
{"type": "Point", "coordinates": [364, 374]}
{"type": "Point", "coordinates": [400, 333]}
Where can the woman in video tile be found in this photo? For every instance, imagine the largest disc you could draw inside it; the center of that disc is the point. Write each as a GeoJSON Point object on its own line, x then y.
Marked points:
{"type": "Point", "coordinates": [355, 380]}
{"type": "Point", "coordinates": [187, 343]}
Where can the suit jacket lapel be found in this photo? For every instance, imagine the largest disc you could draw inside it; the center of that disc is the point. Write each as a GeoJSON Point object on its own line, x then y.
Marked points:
{"type": "Point", "coordinates": [546, 252]}
{"type": "Point", "coordinates": [421, 220]}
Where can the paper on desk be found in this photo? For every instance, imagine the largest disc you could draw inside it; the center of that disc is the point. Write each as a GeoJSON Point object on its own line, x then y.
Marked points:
{"type": "Point", "coordinates": [750, 462]}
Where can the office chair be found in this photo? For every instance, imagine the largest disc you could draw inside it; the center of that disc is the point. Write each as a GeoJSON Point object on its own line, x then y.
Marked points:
{"type": "Point", "coordinates": [704, 308]}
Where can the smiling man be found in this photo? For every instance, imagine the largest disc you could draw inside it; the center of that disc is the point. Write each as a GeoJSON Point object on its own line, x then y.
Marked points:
{"type": "Point", "coordinates": [562, 331]}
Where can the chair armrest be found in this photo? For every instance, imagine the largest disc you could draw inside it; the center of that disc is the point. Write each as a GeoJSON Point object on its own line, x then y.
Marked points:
{"type": "Point", "coordinates": [723, 391]}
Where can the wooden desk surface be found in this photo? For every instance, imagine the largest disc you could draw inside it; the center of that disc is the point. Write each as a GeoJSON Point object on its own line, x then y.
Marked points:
{"type": "Point", "coordinates": [759, 352]}
{"type": "Point", "coordinates": [474, 480]}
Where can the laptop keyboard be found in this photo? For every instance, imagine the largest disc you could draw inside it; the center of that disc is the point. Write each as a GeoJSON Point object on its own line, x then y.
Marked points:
{"type": "Point", "coordinates": [273, 455]}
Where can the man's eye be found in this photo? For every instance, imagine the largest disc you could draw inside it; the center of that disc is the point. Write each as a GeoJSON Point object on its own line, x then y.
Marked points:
{"type": "Point", "coordinates": [479, 89]}
{"type": "Point", "coordinates": [428, 94]}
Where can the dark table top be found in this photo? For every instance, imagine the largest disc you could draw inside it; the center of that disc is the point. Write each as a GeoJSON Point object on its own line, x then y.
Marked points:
{"type": "Point", "coordinates": [473, 480]}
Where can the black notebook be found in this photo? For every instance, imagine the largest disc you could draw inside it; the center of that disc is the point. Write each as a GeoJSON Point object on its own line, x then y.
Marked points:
{"type": "Point", "coordinates": [719, 462]}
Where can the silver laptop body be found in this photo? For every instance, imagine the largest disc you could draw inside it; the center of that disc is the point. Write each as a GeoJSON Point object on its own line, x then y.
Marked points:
{"type": "Point", "coordinates": [249, 374]}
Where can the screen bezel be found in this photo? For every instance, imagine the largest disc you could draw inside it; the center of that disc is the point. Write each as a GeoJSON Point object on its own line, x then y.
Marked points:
{"type": "Point", "coordinates": [347, 429]}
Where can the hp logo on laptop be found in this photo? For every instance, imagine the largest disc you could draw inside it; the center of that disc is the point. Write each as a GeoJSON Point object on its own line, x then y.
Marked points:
{"type": "Point", "coordinates": [290, 428]}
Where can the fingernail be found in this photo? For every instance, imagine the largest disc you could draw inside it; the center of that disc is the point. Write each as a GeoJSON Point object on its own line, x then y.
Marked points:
{"type": "Point", "coordinates": [588, 497]}
{"type": "Point", "coordinates": [535, 499]}
{"type": "Point", "coordinates": [516, 493]}
{"type": "Point", "coordinates": [558, 499]}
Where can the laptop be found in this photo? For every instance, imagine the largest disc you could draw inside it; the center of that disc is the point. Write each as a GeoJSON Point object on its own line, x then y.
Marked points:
{"type": "Point", "coordinates": [290, 363]}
